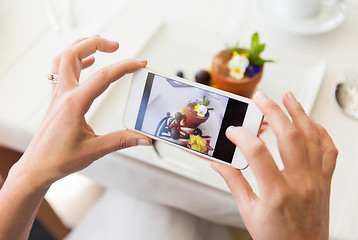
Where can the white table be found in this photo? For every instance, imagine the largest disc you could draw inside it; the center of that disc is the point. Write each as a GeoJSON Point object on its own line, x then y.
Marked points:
{"type": "Point", "coordinates": [179, 179]}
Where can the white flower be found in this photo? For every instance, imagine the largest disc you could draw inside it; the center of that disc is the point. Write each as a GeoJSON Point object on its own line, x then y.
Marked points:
{"type": "Point", "coordinates": [237, 66]}
{"type": "Point", "coordinates": [202, 110]}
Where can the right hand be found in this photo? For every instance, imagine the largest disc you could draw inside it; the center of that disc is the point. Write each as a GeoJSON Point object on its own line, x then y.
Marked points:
{"type": "Point", "coordinates": [65, 142]}
{"type": "Point", "coordinates": [294, 202]}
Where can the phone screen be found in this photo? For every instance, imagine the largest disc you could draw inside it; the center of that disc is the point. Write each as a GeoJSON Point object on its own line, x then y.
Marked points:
{"type": "Point", "coordinates": [189, 116]}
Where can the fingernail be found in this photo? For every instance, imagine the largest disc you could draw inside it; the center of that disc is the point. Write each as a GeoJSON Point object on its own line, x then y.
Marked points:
{"type": "Point", "coordinates": [260, 94]}
{"type": "Point", "coordinates": [291, 96]}
{"type": "Point", "coordinates": [212, 165]}
{"type": "Point", "coordinates": [142, 61]}
{"type": "Point", "coordinates": [115, 43]}
{"type": "Point", "coordinates": [142, 142]}
{"type": "Point", "coordinates": [230, 128]}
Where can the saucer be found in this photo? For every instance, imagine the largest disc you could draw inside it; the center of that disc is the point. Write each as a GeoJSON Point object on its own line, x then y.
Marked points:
{"type": "Point", "coordinates": [330, 16]}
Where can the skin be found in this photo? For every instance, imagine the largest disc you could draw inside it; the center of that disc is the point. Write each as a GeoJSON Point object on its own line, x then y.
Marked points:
{"type": "Point", "coordinates": [65, 142]}
{"type": "Point", "coordinates": [294, 202]}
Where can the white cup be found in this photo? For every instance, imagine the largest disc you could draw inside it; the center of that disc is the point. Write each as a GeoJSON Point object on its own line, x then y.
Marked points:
{"type": "Point", "coordinates": [299, 8]}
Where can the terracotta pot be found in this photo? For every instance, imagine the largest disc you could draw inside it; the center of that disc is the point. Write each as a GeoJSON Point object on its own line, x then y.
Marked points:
{"type": "Point", "coordinates": [220, 74]}
{"type": "Point", "coordinates": [191, 117]}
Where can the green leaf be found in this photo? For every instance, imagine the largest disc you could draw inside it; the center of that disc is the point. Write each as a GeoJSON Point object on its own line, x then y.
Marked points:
{"type": "Point", "coordinates": [206, 101]}
{"type": "Point", "coordinates": [256, 48]}
{"type": "Point", "coordinates": [260, 61]}
{"type": "Point", "coordinates": [255, 51]}
{"type": "Point", "coordinates": [255, 38]}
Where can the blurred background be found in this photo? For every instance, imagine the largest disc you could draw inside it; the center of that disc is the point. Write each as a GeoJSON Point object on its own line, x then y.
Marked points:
{"type": "Point", "coordinates": [165, 193]}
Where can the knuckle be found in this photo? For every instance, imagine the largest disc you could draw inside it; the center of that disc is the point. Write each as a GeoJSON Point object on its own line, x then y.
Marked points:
{"type": "Point", "coordinates": [103, 74]}
{"type": "Point", "coordinates": [273, 107]}
{"type": "Point", "coordinates": [322, 131]}
{"type": "Point", "coordinates": [333, 152]}
{"type": "Point", "coordinates": [312, 190]}
{"type": "Point", "coordinates": [121, 144]}
{"type": "Point", "coordinates": [292, 135]}
{"type": "Point", "coordinates": [280, 197]}
{"type": "Point", "coordinates": [257, 148]}
{"type": "Point", "coordinates": [329, 147]}
{"type": "Point", "coordinates": [230, 182]}
{"type": "Point", "coordinates": [298, 109]}
{"type": "Point", "coordinates": [308, 192]}
{"type": "Point", "coordinates": [68, 102]}
{"type": "Point", "coordinates": [97, 41]}
{"type": "Point", "coordinates": [314, 140]}
{"type": "Point", "coordinates": [97, 38]}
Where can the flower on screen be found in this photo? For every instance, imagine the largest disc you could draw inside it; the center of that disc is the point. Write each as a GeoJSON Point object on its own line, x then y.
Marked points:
{"type": "Point", "coordinates": [202, 107]}
{"type": "Point", "coordinates": [202, 110]}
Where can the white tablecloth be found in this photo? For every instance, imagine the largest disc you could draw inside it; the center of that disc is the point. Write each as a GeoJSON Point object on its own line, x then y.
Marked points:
{"type": "Point", "coordinates": [119, 216]}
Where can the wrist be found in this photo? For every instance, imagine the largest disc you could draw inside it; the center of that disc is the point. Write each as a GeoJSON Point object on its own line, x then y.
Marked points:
{"type": "Point", "coordinates": [20, 198]}
{"type": "Point", "coordinates": [27, 180]}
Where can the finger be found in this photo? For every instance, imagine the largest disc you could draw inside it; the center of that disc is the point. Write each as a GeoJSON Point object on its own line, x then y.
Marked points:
{"type": "Point", "coordinates": [238, 185]}
{"type": "Point", "coordinates": [257, 155]}
{"type": "Point", "coordinates": [85, 64]}
{"type": "Point", "coordinates": [311, 139]}
{"type": "Point", "coordinates": [81, 39]}
{"type": "Point", "coordinates": [290, 144]}
{"type": "Point", "coordinates": [71, 60]}
{"type": "Point", "coordinates": [57, 59]}
{"type": "Point", "coordinates": [54, 69]}
{"type": "Point", "coordinates": [330, 153]}
{"type": "Point", "coordinates": [111, 142]}
{"type": "Point", "coordinates": [88, 62]}
{"type": "Point", "coordinates": [101, 80]}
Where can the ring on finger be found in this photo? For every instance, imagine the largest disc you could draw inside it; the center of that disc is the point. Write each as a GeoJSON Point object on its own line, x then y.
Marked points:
{"type": "Point", "coordinates": [53, 78]}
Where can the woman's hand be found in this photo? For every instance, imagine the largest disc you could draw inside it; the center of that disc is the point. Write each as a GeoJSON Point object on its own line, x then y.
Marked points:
{"type": "Point", "coordinates": [294, 202]}
{"type": "Point", "coordinates": [65, 143]}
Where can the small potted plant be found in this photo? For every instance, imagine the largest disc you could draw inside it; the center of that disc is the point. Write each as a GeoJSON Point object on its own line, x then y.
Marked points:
{"type": "Point", "coordinates": [239, 70]}
{"type": "Point", "coordinates": [197, 112]}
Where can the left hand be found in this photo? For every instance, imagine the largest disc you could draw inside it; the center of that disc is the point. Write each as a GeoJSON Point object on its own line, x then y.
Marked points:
{"type": "Point", "coordinates": [65, 142]}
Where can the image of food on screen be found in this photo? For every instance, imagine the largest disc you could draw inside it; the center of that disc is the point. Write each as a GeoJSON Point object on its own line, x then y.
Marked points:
{"type": "Point", "coordinates": [183, 114]}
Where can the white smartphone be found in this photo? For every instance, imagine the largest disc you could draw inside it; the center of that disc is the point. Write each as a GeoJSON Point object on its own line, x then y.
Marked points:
{"type": "Point", "coordinates": [189, 115]}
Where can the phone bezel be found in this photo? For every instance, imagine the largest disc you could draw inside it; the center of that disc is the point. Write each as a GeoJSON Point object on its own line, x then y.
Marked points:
{"type": "Point", "coordinates": [252, 120]}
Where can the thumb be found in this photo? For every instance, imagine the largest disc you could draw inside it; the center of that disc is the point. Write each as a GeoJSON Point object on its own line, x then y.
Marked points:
{"type": "Point", "coordinates": [119, 140]}
{"type": "Point", "coordinates": [238, 185]}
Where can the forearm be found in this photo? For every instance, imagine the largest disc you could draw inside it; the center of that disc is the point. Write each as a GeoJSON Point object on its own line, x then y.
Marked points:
{"type": "Point", "coordinates": [20, 199]}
